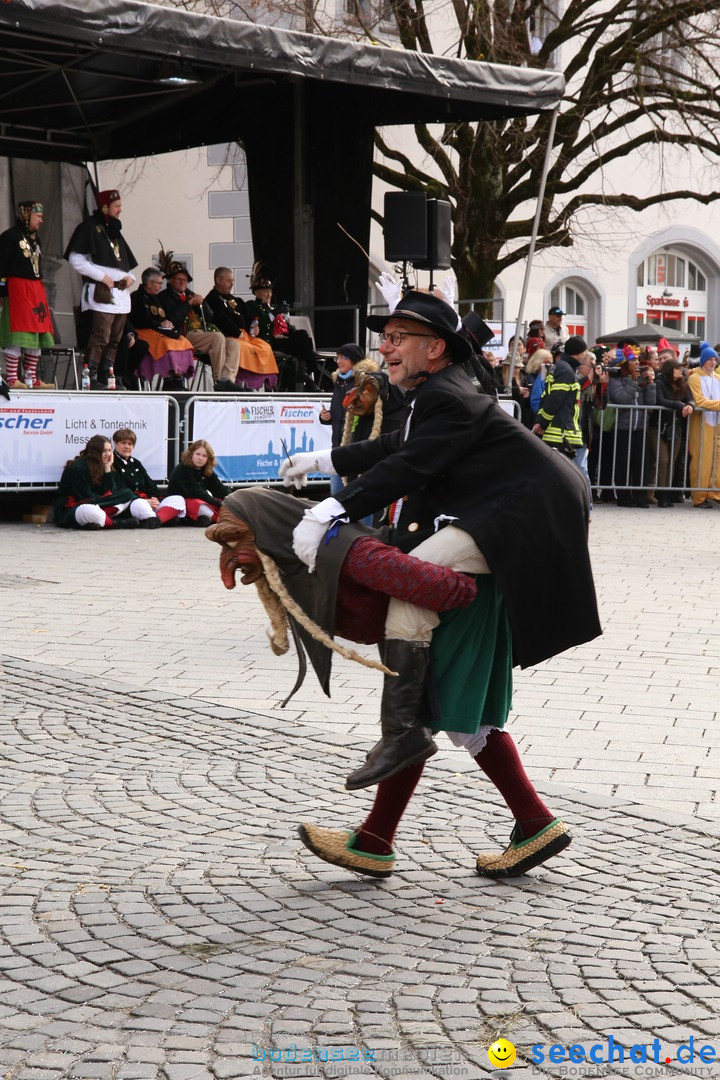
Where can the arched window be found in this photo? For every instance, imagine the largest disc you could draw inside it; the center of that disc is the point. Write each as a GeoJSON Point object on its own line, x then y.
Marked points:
{"type": "Point", "coordinates": [672, 292]}
{"type": "Point", "coordinates": [574, 304]}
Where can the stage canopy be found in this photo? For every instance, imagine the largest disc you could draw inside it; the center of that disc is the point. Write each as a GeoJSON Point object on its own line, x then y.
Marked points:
{"type": "Point", "coordinates": [92, 80]}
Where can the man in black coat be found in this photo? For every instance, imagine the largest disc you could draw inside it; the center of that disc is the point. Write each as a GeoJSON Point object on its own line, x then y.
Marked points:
{"type": "Point", "coordinates": [100, 254]}
{"type": "Point", "coordinates": [474, 490]}
{"type": "Point", "coordinates": [186, 311]}
{"type": "Point", "coordinates": [228, 311]}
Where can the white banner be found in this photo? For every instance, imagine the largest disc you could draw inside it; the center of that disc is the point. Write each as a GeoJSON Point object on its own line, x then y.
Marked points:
{"type": "Point", "coordinates": [247, 436]}
{"type": "Point", "coordinates": [40, 432]}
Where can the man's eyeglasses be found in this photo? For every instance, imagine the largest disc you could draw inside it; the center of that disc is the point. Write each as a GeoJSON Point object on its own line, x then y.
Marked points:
{"type": "Point", "coordinates": [396, 338]}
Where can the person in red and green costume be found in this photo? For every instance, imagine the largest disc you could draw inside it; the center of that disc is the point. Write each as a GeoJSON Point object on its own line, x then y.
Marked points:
{"type": "Point", "coordinates": [25, 324]}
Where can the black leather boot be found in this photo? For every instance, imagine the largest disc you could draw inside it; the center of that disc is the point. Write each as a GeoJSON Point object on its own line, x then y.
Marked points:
{"type": "Point", "coordinates": [405, 738]}
{"type": "Point", "coordinates": [93, 359]}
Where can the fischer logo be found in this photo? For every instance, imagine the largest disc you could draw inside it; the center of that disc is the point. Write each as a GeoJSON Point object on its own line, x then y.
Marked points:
{"type": "Point", "coordinates": [297, 414]}
{"type": "Point", "coordinates": [28, 421]}
{"type": "Point", "coordinates": [257, 414]}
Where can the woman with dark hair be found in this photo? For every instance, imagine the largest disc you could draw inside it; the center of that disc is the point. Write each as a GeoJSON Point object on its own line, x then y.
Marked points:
{"type": "Point", "coordinates": [673, 394]}
{"type": "Point", "coordinates": [196, 480]}
{"type": "Point", "coordinates": [90, 496]}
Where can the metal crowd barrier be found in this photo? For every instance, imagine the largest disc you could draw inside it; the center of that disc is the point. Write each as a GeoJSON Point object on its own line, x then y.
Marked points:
{"type": "Point", "coordinates": [650, 450]}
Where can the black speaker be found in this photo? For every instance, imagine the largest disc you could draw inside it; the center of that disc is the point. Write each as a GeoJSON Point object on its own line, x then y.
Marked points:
{"type": "Point", "coordinates": [439, 219]}
{"type": "Point", "coordinates": [405, 226]}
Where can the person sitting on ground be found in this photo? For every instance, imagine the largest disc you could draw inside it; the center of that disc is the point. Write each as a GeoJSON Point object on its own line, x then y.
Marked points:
{"type": "Point", "coordinates": [25, 324]}
{"type": "Point", "coordinates": [196, 480]}
{"type": "Point", "coordinates": [257, 368]}
{"type": "Point", "coordinates": [135, 476]}
{"type": "Point", "coordinates": [167, 352]}
{"type": "Point", "coordinates": [91, 496]}
{"type": "Point", "coordinates": [186, 310]}
{"type": "Point", "coordinates": [271, 325]}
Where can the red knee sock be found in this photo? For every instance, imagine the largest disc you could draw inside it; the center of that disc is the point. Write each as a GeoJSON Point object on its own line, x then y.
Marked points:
{"type": "Point", "coordinates": [500, 761]}
{"type": "Point", "coordinates": [30, 363]}
{"type": "Point", "coordinates": [166, 513]}
{"type": "Point", "coordinates": [391, 798]}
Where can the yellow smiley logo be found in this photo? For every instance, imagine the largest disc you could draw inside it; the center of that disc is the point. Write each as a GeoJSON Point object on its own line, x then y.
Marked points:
{"type": "Point", "coordinates": [502, 1053]}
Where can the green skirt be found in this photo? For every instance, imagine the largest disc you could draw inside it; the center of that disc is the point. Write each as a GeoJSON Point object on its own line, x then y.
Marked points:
{"type": "Point", "coordinates": [472, 657]}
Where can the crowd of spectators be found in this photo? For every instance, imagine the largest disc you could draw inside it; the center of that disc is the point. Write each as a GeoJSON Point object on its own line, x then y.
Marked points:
{"type": "Point", "coordinates": [642, 422]}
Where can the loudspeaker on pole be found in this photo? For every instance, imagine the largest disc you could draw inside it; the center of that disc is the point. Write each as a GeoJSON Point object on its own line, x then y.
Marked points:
{"type": "Point", "coordinates": [439, 221]}
{"type": "Point", "coordinates": [405, 226]}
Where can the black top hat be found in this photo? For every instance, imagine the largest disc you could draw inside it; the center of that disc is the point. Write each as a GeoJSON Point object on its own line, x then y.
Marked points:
{"type": "Point", "coordinates": [477, 330]}
{"type": "Point", "coordinates": [433, 312]}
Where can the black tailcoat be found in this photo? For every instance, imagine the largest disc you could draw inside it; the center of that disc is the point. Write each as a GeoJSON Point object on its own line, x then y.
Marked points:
{"type": "Point", "coordinates": [523, 503]}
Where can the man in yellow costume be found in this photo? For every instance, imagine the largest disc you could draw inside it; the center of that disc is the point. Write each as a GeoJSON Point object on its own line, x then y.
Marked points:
{"type": "Point", "coordinates": [704, 438]}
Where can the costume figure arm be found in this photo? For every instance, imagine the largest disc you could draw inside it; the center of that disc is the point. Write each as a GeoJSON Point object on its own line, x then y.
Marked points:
{"type": "Point", "coordinates": [216, 487]}
{"type": "Point", "coordinates": [83, 265]}
{"type": "Point", "coordinates": [442, 432]}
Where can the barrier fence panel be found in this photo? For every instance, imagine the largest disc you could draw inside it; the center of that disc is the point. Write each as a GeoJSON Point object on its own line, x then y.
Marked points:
{"type": "Point", "coordinates": [650, 448]}
{"type": "Point", "coordinates": [247, 432]}
{"type": "Point", "coordinates": [634, 448]}
{"type": "Point", "coordinates": [41, 430]}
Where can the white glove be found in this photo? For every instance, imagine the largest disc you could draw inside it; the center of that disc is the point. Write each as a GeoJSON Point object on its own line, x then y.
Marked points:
{"type": "Point", "coordinates": [309, 532]}
{"type": "Point", "coordinates": [294, 470]}
{"type": "Point", "coordinates": [391, 290]}
{"type": "Point", "coordinates": [449, 287]}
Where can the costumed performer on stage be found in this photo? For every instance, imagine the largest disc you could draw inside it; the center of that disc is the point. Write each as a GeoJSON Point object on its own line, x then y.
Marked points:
{"type": "Point", "coordinates": [25, 323]}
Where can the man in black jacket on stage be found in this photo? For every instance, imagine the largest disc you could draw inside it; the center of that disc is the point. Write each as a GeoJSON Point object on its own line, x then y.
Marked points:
{"type": "Point", "coordinates": [183, 308]}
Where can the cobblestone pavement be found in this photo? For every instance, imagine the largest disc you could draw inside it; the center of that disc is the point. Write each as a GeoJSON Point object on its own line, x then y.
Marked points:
{"type": "Point", "coordinates": [159, 918]}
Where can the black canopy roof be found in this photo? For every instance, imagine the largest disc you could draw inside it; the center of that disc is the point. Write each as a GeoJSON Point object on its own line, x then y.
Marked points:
{"type": "Point", "coordinates": [81, 80]}
{"type": "Point", "coordinates": [96, 80]}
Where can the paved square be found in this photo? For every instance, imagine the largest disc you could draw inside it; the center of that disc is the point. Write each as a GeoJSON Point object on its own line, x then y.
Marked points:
{"type": "Point", "coordinates": [159, 918]}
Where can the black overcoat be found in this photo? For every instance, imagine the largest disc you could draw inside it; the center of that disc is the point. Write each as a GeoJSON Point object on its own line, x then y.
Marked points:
{"type": "Point", "coordinates": [523, 503]}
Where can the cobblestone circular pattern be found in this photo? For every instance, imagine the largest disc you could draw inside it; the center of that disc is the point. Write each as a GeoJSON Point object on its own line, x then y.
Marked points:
{"type": "Point", "coordinates": [159, 917]}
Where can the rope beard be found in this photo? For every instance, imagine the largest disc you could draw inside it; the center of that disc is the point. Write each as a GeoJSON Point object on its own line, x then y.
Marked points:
{"type": "Point", "coordinates": [281, 604]}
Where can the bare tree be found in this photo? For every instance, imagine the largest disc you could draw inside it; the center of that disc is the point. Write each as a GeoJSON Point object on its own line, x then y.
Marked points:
{"type": "Point", "coordinates": [640, 87]}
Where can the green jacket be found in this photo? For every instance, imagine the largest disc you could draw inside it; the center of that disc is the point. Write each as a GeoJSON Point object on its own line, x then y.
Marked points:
{"type": "Point", "coordinates": [76, 487]}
